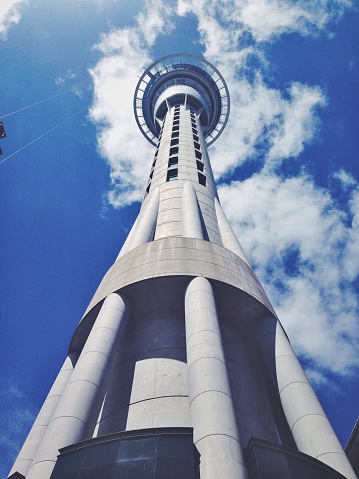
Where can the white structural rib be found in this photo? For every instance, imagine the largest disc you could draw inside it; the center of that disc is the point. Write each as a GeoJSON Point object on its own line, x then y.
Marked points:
{"type": "Point", "coordinates": [212, 413]}
{"type": "Point", "coordinates": [37, 432]}
{"type": "Point", "coordinates": [77, 412]}
{"type": "Point", "coordinates": [191, 215]}
{"type": "Point", "coordinates": [127, 244]}
{"type": "Point", "coordinates": [310, 427]}
{"type": "Point", "coordinates": [146, 222]}
{"type": "Point", "coordinates": [229, 239]}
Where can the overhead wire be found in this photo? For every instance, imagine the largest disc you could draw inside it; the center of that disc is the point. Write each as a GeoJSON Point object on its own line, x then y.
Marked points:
{"type": "Point", "coordinates": [34, 104]}
{"type": "Point", "coordinates": [44, 134]}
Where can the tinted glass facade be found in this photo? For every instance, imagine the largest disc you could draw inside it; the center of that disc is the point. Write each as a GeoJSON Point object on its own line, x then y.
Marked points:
{"type": "Point", "coordinates": [157, 454]}
{"type": "Point", "coordinates": [267, 460]}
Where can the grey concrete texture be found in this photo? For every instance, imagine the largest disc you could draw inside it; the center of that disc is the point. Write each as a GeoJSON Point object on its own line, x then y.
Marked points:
{"type": "Point", "coordinates": [180, 256]}
{"type": "Point", "coordinates": [37, 432]}
{"type": "Point", "coordinates": [208, 387]}
{"type": "Point", "coordinates": [191, 215]}
{"type": "Point", "coordinates": [75, 416]}
{"type": "Point", "coordinates": [229, 239]}
{"type": "Point", "coordinates": [307, 421]}
{"type": "Point", "coordinates": [150, 370]}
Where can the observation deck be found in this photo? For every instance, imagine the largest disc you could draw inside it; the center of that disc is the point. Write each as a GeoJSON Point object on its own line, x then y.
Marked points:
{"type": "Point", "coordinates": [187, 79]}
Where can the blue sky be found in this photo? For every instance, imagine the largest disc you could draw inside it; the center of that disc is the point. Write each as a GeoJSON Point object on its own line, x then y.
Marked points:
{"type": "Point", "coordinates": [287, 171]}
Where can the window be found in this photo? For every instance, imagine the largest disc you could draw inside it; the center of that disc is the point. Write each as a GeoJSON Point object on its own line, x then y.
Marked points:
{"type": "Point", "coordinates": [198, 154]}
{"type": "Point", "coordinates": [175, 134]}
{"type": "Point", "coordinates": [197, 145]}
{"type": "Point", "coordinates": [176, 122]}
{"type": "Point", "coordinates": [201, 179]}
{"type": "Point", "coordinates": [176, 116]}
{"type": "Point", "coordinates": [173, 160]}
{"type": "Point", "coordinates": [172, 174]}
{"type": "Point", "coordinates": [175, 128]}
{"type": "Point", "coordinates": [194, 124]}
{"type": "Point", "coordinates": [200, 166]}
{"type": "Point", "coordinates": [174, 150]}
{"type": "Point", "coordinates": [154, 164]}
{"type": "Point", "coordinates": [151, 174]}
{"type": "Point", "coordinates": [175, 141]}
{"type": "Point", "coordinates": [148, 188]}
{"type": "Point", "coordinates": [195, 137]}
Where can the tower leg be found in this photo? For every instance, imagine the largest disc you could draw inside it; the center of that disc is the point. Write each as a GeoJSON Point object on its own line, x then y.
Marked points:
{"type": "Point", "coordinates": [306, 418]}
{"type": "Point", "coordinates": [211, 408]}
{"type": "Point", "coordinates": [191, 219]}
{"type": "Point", "coordinates": [146, 222]}
{"type": "Point", "coordinates": [77, 412]}
{"type": "Point", "coordinates": [34, 438]}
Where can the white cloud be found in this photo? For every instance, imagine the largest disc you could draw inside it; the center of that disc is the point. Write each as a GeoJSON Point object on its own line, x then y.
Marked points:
{"type": "Point", "coordinates": [10, 14]}
{"type": "Point", "coordinates": [299, 242]}
{"type": "Point", "coordinates": [125, 53]}
{"type": "Point", "coordinates": [265, 20]}
{"type": "Point", "coordinates": [15, 424]}
{"type": "Point", "coordinates": [266, 123]}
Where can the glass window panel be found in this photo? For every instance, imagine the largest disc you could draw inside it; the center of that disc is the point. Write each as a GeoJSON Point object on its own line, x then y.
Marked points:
{"type": "Point", "coordinates": [137, 448]}
{"type": "Point", "coordinates": [200, 165]}
{"type": "Point", "coordinates": [106, 471]}
{"type": "Point", "coordinates": [100, 454]}
{"type": "Point", "coordinates": [68, 465]}
{"type": "Point", "coordinates": [174, 469]}
{"type": "Point", "coordinates": [174, 150]}
{"type": "Point", "coordinates": [175, 447]}
{"type": "Point", "coordinates": [201, 179]}
{"type": "Point", "coordinates": [173, 160]}
{"type": "Point", "coordinates": [143, 469]}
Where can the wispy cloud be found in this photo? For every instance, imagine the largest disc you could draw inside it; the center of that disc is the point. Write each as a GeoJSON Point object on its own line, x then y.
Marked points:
{"type": "Point", "coordinates": [264, 20]}
{"type": "Point", "coordinates": [125, 52]}
{"type": "Point", "coordinates": [301, 244]}
{"type": "Point", "coordinates": [14, 424]}
{"type": "Point", "coordinates": [10, 14]}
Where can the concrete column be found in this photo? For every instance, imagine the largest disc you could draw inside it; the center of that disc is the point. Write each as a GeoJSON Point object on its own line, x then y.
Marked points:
{"type": "Point", "coordinates": [191, 215]}
{"type": "Point", "coordinates": [127, 244]}
{"type": "Point", "coordinates": [34, 438]}
{"type": "Point", "coordinates": [77, 412]}
{"type": "Point", "coordinates": [306, 418]}
{"type": "Point", "coordinates": [211, 407]}
{"type": "Point", "coordinates": [229, 239]}
{"type": "Point", "coordinates": [147, 219]}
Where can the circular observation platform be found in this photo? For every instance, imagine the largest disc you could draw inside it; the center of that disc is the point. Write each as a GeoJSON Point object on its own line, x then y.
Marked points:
{"type": "Point", "coordinates": [181, 78]}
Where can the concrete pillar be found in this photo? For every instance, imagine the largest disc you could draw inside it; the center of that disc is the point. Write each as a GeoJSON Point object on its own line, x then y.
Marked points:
{"type": "Point", "coordinates": [229, 239]}
{"type": "Point", "coordinates": [34, 438]}
{"type": "Point", "coordinates": [306, 418]}
{"type": "Point", "coordinates": [211, 407]}
{"type": "Point", "coordinates": [191, 215]}
{"type": "Point", "coordinates": [127, 244]}
{"type": "Point", "coordinates": [147, 219]}
{"type": "Point", "coordinates": [77, 412]}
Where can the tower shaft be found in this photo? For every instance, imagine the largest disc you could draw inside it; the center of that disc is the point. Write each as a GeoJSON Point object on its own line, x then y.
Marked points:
{"type": "Point", "coordinates": [179, 366]}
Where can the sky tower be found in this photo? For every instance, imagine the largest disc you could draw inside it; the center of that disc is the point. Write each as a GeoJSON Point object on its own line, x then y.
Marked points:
{"type": "Point", "coordinates": [179, 368]}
